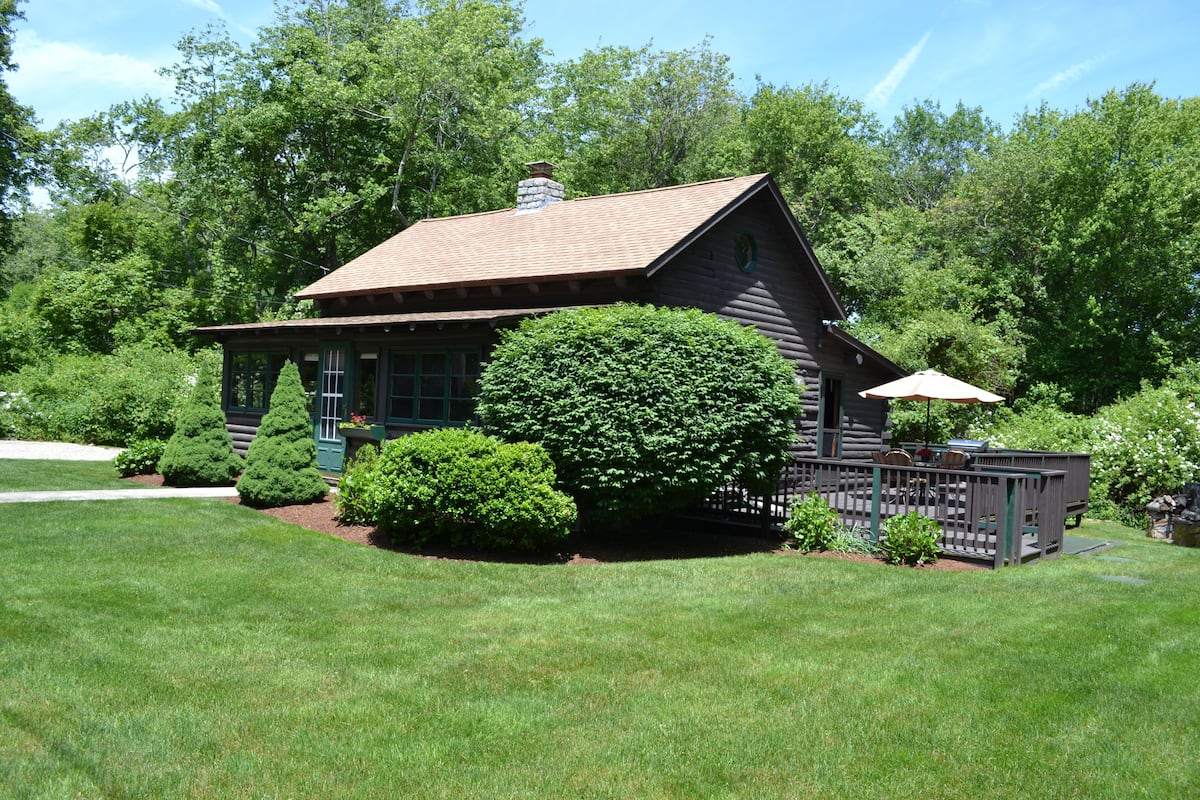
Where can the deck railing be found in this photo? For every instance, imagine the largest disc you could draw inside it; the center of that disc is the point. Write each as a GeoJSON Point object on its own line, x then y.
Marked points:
{"type": "Point", "coordinates": [1000, 515]}
{"type": "Point", "coordinates": [1078, 467]}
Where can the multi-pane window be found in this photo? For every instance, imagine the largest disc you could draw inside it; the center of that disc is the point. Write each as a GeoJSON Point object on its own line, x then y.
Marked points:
{"type": "Point", "coordinates": [434, 387]}
{"type": "Point", "coordinates": [252, 378]}
{"type": "Point", "coordinates": [365, 376]}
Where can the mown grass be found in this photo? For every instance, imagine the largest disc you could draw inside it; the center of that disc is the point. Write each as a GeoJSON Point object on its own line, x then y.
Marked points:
{"type": "Point", "coordinates": [188, 648]}
{"type": "Point", "coordinates": [35, 475]}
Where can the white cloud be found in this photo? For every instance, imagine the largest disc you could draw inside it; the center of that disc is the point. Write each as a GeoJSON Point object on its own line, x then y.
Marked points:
{"type": "Point", "coordinates": [48, 65]}
{"type": "Point", "coordinates": [884, 90]}
{"type": "Point", "coordinates": [208, 5]}
{"type": "Point", "coordinates": [1068, 75]}
{"type": "Point", "coordinates": [64, 81]}
{"type": "Point", "coordinates": [214, 8]}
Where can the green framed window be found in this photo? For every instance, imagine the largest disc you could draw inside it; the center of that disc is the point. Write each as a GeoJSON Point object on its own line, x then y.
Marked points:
{"type": "Point", "coordinates": [252, 378]}
{"type": "Point", "coordinates": [433, 388]}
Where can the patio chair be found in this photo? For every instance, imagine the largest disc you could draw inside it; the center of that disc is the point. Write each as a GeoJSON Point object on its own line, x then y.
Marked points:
{"type": "Point", "coordinates": [953, 459]}
{"type": "Point", "coordinates": [898, 486]}
{"type": "Point", "coordinates": [956, 460]}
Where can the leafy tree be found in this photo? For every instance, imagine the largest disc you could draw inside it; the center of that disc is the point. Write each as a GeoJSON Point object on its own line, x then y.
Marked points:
{"type": "Point", "coordinates": [101, 307]}
{"type": "Point", "coordinates": [819, 147]}
{"type": "Point", "coordinates": [281, 464]}
{"type": "Point", "coordinates": [20, 335]}
{"type": "Point", "coordinates": [928, 150]}
{"type": "Point", "coordinates": [1091, 218]}
{"type": "Point", "coordinates": [40, 243]}
{"type": "Point", "coordinates": [16, 129]}
{"type": "Point", "coordinates": [643, 410]}
{"type": "Point", "coordinates": [621, 119]}
{"type": "Point", "coordinates": [345, 122]}
{"type": "Point", "coordinates": [200, 451]}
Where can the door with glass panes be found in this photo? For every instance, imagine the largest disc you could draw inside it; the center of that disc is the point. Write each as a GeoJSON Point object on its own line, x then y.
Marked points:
{"type": "Point", "coordinates": [332, 380]}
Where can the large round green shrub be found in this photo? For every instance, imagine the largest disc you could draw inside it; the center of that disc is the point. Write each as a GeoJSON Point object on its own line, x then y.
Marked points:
{"type": "Point", "coordinates": [643, 409]}
{"type": "Point", "coordinates": [281, 464]}
{"type": "Point", "coordinates": [200, 452]}
{"type": "Point", "coordinates": [462, 488]}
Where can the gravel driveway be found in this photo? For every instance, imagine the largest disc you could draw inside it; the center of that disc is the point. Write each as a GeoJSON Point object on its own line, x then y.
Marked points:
{"type": "Point", "coordinates": [61, 451]}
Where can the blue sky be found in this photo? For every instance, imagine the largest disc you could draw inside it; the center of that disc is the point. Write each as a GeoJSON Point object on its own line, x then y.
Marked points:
{"type": "Point", "coordinates": [77, 57]}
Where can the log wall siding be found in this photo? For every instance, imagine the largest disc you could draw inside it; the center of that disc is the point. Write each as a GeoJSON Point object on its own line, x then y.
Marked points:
{"type": "Point", "coordinates": [782, 299]}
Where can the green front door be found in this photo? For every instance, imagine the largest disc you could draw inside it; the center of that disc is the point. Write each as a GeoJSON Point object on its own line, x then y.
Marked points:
{"type": "Point", "coordinates": [331, 408]}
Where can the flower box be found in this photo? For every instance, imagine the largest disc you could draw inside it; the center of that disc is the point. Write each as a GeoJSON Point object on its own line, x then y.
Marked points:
{"type": "Point", "coordinates": [370, 433]}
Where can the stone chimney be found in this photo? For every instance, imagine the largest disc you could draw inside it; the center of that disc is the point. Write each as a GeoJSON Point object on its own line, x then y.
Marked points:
{"type": "Point", "coordinates": [539, 189]}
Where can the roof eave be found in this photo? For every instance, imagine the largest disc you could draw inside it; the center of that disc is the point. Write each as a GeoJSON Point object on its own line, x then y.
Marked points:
{"type": "Point", "coordinates": [865, 349]}
{"type": "Point", "coordinates": [556, 277]}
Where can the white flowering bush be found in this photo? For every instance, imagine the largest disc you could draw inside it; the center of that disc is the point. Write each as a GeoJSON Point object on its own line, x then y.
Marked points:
{"type": "Point", "coordinates": [1145, 446]}
{"type": "Point", "coordinates": [15, 411]}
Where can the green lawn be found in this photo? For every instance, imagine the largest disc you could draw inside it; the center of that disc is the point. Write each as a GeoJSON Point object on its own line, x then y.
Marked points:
{"type": "Point", "coordinates": [191, 648]}
{"type": "Point", "coordinates": [35, 475]}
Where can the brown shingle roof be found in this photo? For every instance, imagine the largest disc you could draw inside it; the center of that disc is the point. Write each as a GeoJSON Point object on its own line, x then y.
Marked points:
{"type": "Point", "coordinates": [589, 237]}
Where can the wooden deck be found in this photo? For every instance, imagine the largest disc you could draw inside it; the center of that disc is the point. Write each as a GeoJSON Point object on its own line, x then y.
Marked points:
{"type": "Point", "coordinates": [998, 514]}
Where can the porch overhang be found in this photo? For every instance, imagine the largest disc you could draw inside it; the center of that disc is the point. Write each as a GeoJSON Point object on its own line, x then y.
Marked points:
{"type": "Point", "coordinates": [491, 317]}
{"type": "Point", "coordinates": [867, 352]}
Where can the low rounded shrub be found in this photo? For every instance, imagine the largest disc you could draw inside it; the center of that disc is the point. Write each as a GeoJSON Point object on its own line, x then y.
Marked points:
{"type": "Point", "coordinates": [140, 458]}
{"type": "Point", "coordinates": [812, 523]}
{"type": "Point", "coordinates": [355, 498]}
{"type": "Point", "coordinates": [462, 488]}
{"type": "Point", "coordinates": [911, 539]}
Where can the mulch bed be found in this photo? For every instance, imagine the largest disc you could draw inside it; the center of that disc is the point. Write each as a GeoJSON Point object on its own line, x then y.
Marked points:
{"type": "Point", "coordinates": [576, 549]}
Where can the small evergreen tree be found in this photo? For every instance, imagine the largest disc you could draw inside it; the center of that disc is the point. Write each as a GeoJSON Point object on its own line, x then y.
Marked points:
{"type": "Point", "coordinates": [200, 452]}
{"type": "Point", "coordinates": [281, 464]}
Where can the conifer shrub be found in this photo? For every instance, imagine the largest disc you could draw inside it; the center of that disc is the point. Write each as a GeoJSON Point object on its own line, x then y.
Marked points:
{"type": "Point", "coordinates": [462, 488]}
{"type": "Point", "coordinates": [200, 452]}
{"type": "Point", "coordinates": [281, 464]}
{"type": "Point", "coordinates": [643, 410]}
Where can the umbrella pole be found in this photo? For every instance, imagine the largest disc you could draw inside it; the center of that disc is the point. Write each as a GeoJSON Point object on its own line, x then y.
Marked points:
{"type": "Point", "coordinates": [926, 423]}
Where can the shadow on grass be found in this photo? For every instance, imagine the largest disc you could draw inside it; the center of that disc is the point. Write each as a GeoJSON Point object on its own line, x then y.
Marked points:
{"type": "Point", "coordinates": [639, 544]}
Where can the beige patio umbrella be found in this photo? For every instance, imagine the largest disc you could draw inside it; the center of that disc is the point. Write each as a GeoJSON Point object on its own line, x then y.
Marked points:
{"type": "Point", "coordinates": [929, 385]}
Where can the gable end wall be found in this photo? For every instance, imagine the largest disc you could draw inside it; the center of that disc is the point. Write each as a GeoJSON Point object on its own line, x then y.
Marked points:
{"type": "Point", "coordinates": [782, 299]}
